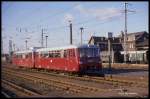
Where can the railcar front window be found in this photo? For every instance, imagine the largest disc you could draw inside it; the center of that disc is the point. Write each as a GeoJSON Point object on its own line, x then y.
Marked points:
{"type": "Point", "coordinates": [82, 52]}
{"type": "Point", "coordinates": [89, 52]}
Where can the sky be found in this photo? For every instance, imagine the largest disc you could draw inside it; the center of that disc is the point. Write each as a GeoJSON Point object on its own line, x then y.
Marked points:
{"type": "Point", "coordinates": [23, 21]}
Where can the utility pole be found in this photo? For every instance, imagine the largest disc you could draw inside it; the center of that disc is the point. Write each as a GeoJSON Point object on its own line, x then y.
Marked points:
{"type": "Point", "coordinates": [10, 50]}
{"type": "Point", "coordinates": [14, 47]}
{"type": "Point", "coordinates": [125, 33]}
{"type": "Point", "coordinates": [42, 39]}
{"type": "Point", "coordinates": [70, 32]}
{"type": "Point", "coordinates": [46, 40]}
{"type": "Point", "coordinates": [2, 46]}
{"type": "Point", "coordinates": [110, 51]}
{"type": "Point", "coordinates": [10, 47]}
{"type": "Point", "coordinates": [81, 33]}
{"type": "Point", "coordinates": [26, 43]}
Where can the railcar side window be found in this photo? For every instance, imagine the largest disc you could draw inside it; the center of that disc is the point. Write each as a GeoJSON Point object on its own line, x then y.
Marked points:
{"type": "Point", "coordinates": [45, 55]}
{"type": "Point", "coordinates": [27, 55]}
{"type": "Point", "coordinates": [71, 53]}
{"type": "Point", "coordinates": [30, 55]}
{"type": "Point", "coordinates": [39, 55]}
{"type": "Point", "coordinates": [62, 53]}
{"type": "Point", "coordinates": [57, 54]}
{"type": "Point", "coordinates": [65, 53]}
{"type": "Point", "coordinates": [23, 56]}
{"type": "Point", "coordinates": [50, 54]}
{"type": "Point", "coordinates": [20, 56]}
{"type": "Point", "coordinates": [54, 54]}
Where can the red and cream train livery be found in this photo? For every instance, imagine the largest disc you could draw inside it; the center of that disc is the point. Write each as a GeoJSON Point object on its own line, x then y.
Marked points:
{"type": "Point", "coordinates": [69, 58]}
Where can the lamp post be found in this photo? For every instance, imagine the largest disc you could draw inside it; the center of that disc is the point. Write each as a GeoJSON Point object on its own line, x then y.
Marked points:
{"type": "Point", "coordinates": [46, 40]}
{"type": "Point", "coordinates": [81, 33]}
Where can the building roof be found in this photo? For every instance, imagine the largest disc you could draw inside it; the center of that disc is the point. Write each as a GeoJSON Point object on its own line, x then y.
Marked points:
{"type": "Point", "coordinates": [96, 38]}
{"type": "Point", "coordinates": [135, 33]}
{"type": "Point", "coordinates": [144, 43]}
{"type": "Point", "coordinates": [99, 39]}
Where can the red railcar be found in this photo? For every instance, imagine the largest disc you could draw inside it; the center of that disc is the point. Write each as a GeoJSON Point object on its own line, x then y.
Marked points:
{"type": "Point", "coordinates": [23, 58]}
{"type": "Point", "coordinates": [69, 58]}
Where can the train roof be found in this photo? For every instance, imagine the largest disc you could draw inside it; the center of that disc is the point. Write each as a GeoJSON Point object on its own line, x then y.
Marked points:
{"type": "Point", "coordinates": [25, 51]}
{"type": "Point", "coordinates": [32, 49]}
{"type": "Point", "coordinates": [66, 47]}
{"type": "Point", "coordinates": [56, 48]}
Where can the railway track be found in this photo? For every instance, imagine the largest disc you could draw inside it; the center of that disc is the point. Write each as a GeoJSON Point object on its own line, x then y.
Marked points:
{"type": "Point", "coordinates": [19, 91]}
{"type": "Point", "coordinates": [106, 80]}
{"type": "Point", "coordinates": [73, 87]}
{"type": "Point", "coordinates": [5, 94]}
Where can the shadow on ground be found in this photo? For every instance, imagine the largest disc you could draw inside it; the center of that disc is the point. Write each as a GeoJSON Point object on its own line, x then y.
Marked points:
{"type": "Point", "coordinates": [118, 71]}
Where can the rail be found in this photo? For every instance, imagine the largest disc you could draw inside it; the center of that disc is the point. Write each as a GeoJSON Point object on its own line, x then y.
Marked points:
{"type": "Point", "coordinates": [20, 90]}
{"type": "Point", "coordinates": [73, 87]}
{"type": "Point", "coordinates": [106, 80]}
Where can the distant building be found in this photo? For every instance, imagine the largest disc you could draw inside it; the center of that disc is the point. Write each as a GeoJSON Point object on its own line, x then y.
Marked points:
{"type": "Point", "coordinates": [134, 41]}
{"type": "Point", "coordinates": [102, 42]}
{"type": "Point", "coordinates": [137, 47]}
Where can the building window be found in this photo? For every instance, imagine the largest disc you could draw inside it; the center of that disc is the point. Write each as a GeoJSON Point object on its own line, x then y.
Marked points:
{"type": "Point", "coordinates": [130, 46]}
{"type": "Point", "coordinates": [97, 44]}
{"type": "Point", "coordinates": [102, 46]}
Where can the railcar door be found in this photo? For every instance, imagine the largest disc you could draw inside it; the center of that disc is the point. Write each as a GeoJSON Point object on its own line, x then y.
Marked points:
{"type": "Point", "coordinates": [71, 60]}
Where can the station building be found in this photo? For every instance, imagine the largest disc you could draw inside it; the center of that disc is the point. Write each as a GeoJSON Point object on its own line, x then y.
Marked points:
{"type": "Point", "coordinates": [137, 47]}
